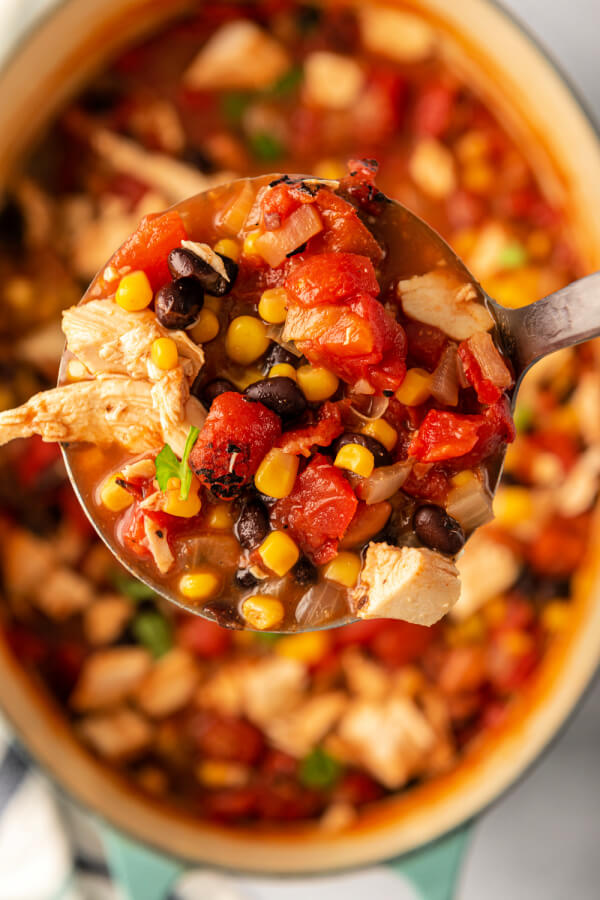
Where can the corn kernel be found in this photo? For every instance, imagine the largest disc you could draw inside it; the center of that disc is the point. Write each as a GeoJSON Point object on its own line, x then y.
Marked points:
{"type": "Point", "coordinates": [330, 169]}
{"type": "Point", "coordinates": [382, 431]}
{"type": "Point", "coordinates": [227, 247]}
{"type": "Point", "coordinates": [414, 390]}
{"type": "Point", "coordinates": [471, 631]}
{"type": "Point", "coordinates": [248, 376]}
{"type": "Point", "coordinates": [206, 327]}
{"type": "Point", "coordinates": [250, 243]}
{"type": "Point", "coordinates": [262, 612]}
{"type": "Point", "coordinates": [113, 496]}
{"type": "Point", "coordinates": [464, 241]}
{"type": "Point", "coordinates": [539, 244]}
{"type": "Point", "coordinates": [515, 643]}
{"type": "Point", "coordinates": [219, 517]}
{"type": "Point", "coordinates": [272, 306]}
{"type": "Point", "coordinates": [472, 146]}
{"type": "Point", "coordinates": [283, 370]}
{"type": "Point", "coordinates": [463, 478]}
{"type": "Point", "coordinates": [276, 474]}
{"type": "Point", "coordinates": [555, 616]}
{"type": "Point", "coordinates": [478, 177]}
{"type": "Point", "coordinates": [344, 569]}
{"type": "Point", "coordinates": [246, 339]}
{"type": "Point", "coordinates": [201, 585]}
{"type": "Point", "coordinates": [134, 291]}
{"type": "Point", "coordinates": [220, 773]}
{"type": "Point", "coordinates": [512, 505]}
{"type": "Point", "coordinates": [494, 612]}
{"type": "Point", "coordinates": [355, 458]}
{"type": "Point", "coordinates": [175, 506]}
{"type": "Point", "coordinates": [307, 648]}
{"type": "Point", "coordinates": [317, 383]}
{"type": "Point", "coordinates": [278, 552]}
{"type": "Point", "coordinates": [214, 304]}
{"type": "Point", "coordinates": [164, 353]}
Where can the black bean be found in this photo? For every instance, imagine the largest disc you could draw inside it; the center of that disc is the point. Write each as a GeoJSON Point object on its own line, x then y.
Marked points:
{"type": "Point", "coordinates": [304, 572]}
{"type": "Point", "coordinates": [252, 525]}
{"type": "Point", "coordinates": [245, 579]}
{"type": "Point", "coordinates": [178, 302]}
{"type": "Point", "coordinates": [437, 530]}
{"type": "Point", "coordinates": [207, 391]}
{"type": "Point", "coordinates": [277, 355]}
{"type": "Point", "coordinates": [280, 394]}
{"type": "Point", "coordinates": [183, 262]}
{"type": "Point", "coordinates": [381, 455]}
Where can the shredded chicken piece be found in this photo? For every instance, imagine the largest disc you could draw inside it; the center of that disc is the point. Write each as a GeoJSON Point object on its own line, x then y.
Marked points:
{"type": "Point", "coordinates": [439, 298]}
{"type": "Point", "coordinates": [108, 339]}
{"type": "Point", "coordinates": [271, 687]}
{"type": "Point", "coordinates": [487, 569]}
{"type": "Point", "coordinates": [239, 56]}
{"type": "Point", "coordinates": [431, 167]}
{"type": "Point", "coordinates": [395, 33]}
{"type": "Point", "coordinates": [222, 692]}
{"type": "Point", "coordinates": [169, 685]}
{"type": "Point", "coordinates": [174, 179]}
{"type": "Point", "coordinates": [110, 409]}
{"type": "Point", "coordinates": [408, 583]}
{"type": "Point", "coordinates": [110, 676]}
{"type": "Point", "coordinates": [158, 545]}
{"type": "Point", "coordinates": [331, 80]}
{"type": "Point", "coordinates": [364, 676]}
{"type": "Point", "coordinates": [118, 735]}
{"type": "Point", "coordinates": [176, 409]}
{"type": "Point", "coordinates": [581, 485]}
{"type": "Point", "coordinates": [26, 561]}
{"type": "Point", "coordinates": [62, 593]}
{"type": "Point", "coordinates": [298, 731]}
{"type": "Point", "coordinates": [141, 468]}
{"type": "Point", "coordinates": [106, 618]}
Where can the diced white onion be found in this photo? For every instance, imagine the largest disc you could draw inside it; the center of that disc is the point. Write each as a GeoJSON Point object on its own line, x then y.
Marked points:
{"type": "Point", "coordinates": [275, 333]}
{"type": "Point", "coordinates": [233, 219]}
{"type": "Point", "coordinates": [374, 409]}
{"type": "Point", "coordinates": [444, 382]}
{"type": "Point", "coordinates": [322, 603]}
{"type": "Point", "coordinates": [383, 483]}
{"type": "Point", "coordinates": [470, 504]}
{"type": "Point", "coordinates": [489, 360]}
{"type": "Point", "coordinates": [298, 228]}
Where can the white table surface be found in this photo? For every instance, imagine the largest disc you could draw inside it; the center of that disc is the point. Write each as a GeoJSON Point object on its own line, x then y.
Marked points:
{"type": "Point", "coordinates": [540, 841]}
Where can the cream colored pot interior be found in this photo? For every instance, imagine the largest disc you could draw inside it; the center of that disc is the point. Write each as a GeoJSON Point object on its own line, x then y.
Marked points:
{"type": "Point", "coordinates": [49, 65]}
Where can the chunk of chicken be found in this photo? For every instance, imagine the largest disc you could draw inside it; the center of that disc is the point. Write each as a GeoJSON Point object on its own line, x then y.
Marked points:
{"type": "Point", "coordinates": [107, 338]}
{"type": "Point", "coordinates": [62, 593]}
{"type": "Point", "coordinates": [581, 485]}
{"type": "Point", "coordinates": [331, 80]}
{"type": "Point", "coordinates": [408, 583]}
{"type": "Point", "coordinates": [586, 401]}
{"type": "Point", "coordinates": [431, 167]}
{"type": "Point", "coordinates": [173, 179]}
{"type": "Point", "coordinates": [271, 687]}
{"type": "Point", "coordinates": [395, 33]}
{"type": "Point", "coordinates": [298, 731]}
{"type": "Point", "coordinates": [116, 736]}
{"type": "Point", "coordinates": [26, 561]}
{"type": "Point", "coordinates": [106, 618]}
{"type": "Point", "coordinates": [239, 56]}
{"type": "Point", "coordinates": [110, 676]}
{"type": "Point", "coordinates": [222, 692]}
{"type": "Point", "coordinates": [392, 738]}
{"type": "Point", "coordinates": [486, 569]}
{"type": "Point", "coordinates": [365, 677]}
{"type": "Point", "coordinates": [439, 298]}
{"type": "Point", "coordinates": [110, 409]}
{"type": "Point", "coordinates": [169, 685]}
{"type": "Point", "coordinates": [176, 409]}
{"type": "Point", "coordinates": [158, 545]}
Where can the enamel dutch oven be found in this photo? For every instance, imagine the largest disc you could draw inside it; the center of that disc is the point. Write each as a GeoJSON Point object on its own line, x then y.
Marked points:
{"type": "Point", "coordinates": [49, 64]}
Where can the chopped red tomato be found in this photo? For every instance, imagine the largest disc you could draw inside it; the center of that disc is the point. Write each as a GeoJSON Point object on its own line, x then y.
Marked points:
{"type": "Point", "coordinates": [425, 343]}
{"type": "Point", "coordinates": [149, 246]}
{"type": "Point", "coordinates": [325, 430]}
{"type": "Point", "coordinates": [433, 109]}
{"type": "Point", "coordinates": [224, 737]}
{"type": "Point", "coordinates": [427, 483]}
{"type": "Point", "coordinates": [335, 330]}
{"type": "Point", "coordinates": [203, 638]}
{"type": "Point", "coordinates": [445, 435]}
{"type": "Point", "coordinates": [359, 184]}
{"type": "Point", "coordinates": [319, 509]}
{"type": "Point", "coordinates": [331, 278]}
{"type": "Point", "coordinates": [235, 437]}
{"type": "Point", "coordinates": [487, 391]}
{"type": "Point", "coordinates": [281, 201]}
{"type": "Point", "coordinates": [560, 547]}
{"type": "Point", "coordinates": [497, 428]}
{"type": "Point", "coordinates": [37, 457]}
{"type": "Point", "coordinates": [357, 788]}
{"type": "Point", "coordinates": [401, 643]}
{"type": "Point", "coordinates": [343, 232]}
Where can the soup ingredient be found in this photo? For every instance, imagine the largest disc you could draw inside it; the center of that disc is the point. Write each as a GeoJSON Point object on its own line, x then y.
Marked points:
{"type": "Point", "coordinates": [437, 530]}
{"type": "Point", "coordinates": [178, 303]}
{"type": "Point", "coordinates": [168, 466]}
{"type": "Point", "coordinates": [439, 299]}
{"type": "Point", "coordinates": [280, 394]}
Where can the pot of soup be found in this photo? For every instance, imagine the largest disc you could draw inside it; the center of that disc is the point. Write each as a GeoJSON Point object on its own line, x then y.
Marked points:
{"type": "Point", "coordinates": [328, 748]}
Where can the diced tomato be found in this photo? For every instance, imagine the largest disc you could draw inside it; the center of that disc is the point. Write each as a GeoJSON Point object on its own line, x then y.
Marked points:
{"type": "Point", "coordinates": [464, 209]}
{"type": "Point", "coordinates": [224, 737]}
{"type": "Point", "coordinates": [231, 804]}
{"type": "Point", "coordinates": [284, 799]}
{"type": "Point", "coordinates": [327, 427]}
{"type": "Point", "coordinates": [425, 343]}
{"type": "Point", "coordinates": [486, 390]}
{"type": "Point", "coordinates": [319, 509]}
{"type": "Point", "coordinates": [433, 109]}
{"type": "Point", "coordinates": [344, 232]}
{"type": "Point", "coordinates": [331, 278]}
{"type": "Point", "coordinates": [560, 548]}
{"type": "Point", "coordinates": [334, 330]}
{"type": "Point", "coordinates": [276, 762]}
{"type": "Point", "coordinates": [130, 531]}
{"type": "Point", "coordinates": [234, 438]}
{"type": "Point", "coordinates": [497, 428]}
{"type": "Point", "coordinates": [401, 643]}
{"type": "Point", "coordinates": [359, 633]}
{"type": "Point", "coordinates": [149, 246]}
{"type": "Point", "coordinates": [445, 435]}
{"type": "Point", "coordinates": [203, 638]}
{"type": "Point", "coordinates": [427, 483]}
{"type": "Point", "coordinates": [379, 110]}
{"type": "Point", "coordinates": [37, 457]}
{"type": "Point", "coordinates": [280, 202]}
{"type": "Point", "coordinates": [25, 645]}
{"type": "Point", "coordinates": [357, 788]}
{"type": "Point", "coordinates": [359, 184]}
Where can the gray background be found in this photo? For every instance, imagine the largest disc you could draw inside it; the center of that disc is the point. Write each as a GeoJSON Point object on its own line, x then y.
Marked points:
{"type": "Point", "coordinates": [540, 842]}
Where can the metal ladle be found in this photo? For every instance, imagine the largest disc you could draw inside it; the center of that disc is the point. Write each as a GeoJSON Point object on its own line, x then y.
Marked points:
{"type": "Point", "coordinates": [527, 334]}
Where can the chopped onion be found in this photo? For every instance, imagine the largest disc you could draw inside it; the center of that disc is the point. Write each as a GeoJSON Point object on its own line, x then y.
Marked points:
{"type": "Point", "coordinates": [444, 381]}
{"type": "Point", "coordinates": [375, 408]}
{"type": "Point", "coordinates": [232, 220]}
{"type": "Point", "coordinates": [489, 360]}
{"type": "Point", "coordinates": [275, 333]}
{"type": "Point", "coordinates": [470, 504]}
{"type": "Point", "coordinates": [298, 228]}
{"type": "Point", "coordinates": [383, 483]}
{"type": "Point", "coordinates": [322, 603]}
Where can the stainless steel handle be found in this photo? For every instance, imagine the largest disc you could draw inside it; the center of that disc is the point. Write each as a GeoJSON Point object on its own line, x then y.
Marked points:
{"type": "Point", "coordinates": [562, 319]}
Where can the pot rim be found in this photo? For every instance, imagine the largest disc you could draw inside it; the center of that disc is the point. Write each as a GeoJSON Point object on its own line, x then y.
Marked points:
{"type": "Point", "coordinates": [407, 820]}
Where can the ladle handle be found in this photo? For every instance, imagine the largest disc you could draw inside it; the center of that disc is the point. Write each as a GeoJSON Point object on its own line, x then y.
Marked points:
{"type": "Point", "coordinates": [562, 319]}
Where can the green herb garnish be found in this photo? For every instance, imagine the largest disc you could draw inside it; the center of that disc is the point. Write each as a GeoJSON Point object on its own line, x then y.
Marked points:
{"type": "Point", "coordinates": [234, 105]}
{"type": "Point", "coordinates": [319, 769]}
{"type": "Point", "coordinates": [288, 82]}
{"type": "Point", "coordinates": [168, 466]}
{"type": "Point", "coordinates": [512, 256]}
{"type": "Point", "coordinates": [265, 147]}
{"type": "Point", "coordinates": [152, 631]}
{"type": "Point", "coordinates": [523, 418]}
{"type": "Point", "coordinates": [131, 587]}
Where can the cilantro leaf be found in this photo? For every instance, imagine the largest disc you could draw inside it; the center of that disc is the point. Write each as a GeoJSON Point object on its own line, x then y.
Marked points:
{"type": "Point", "coordinates": [168, 466]}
